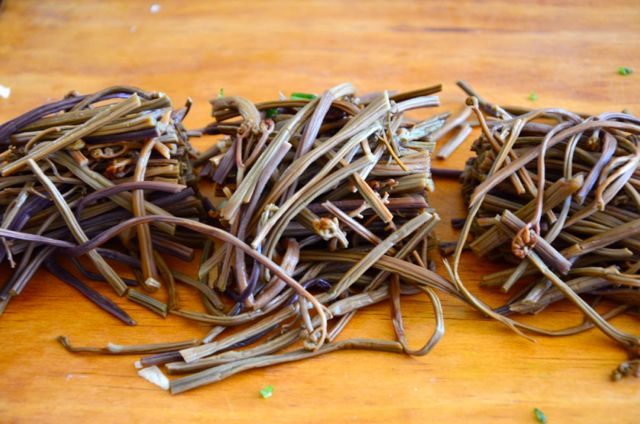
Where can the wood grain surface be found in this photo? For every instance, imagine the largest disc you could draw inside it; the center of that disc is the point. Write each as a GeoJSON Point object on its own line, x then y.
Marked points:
{"type": "Point", "coordinates": [566, 52]}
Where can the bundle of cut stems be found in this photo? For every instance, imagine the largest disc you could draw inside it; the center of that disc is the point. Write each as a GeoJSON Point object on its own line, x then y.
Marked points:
{"type": "Point", "coordinates": [75, 168]}
{"type": "Point", "coordinates": [555, 193]}
{"type": "Point", "coordinates": [334, 190]}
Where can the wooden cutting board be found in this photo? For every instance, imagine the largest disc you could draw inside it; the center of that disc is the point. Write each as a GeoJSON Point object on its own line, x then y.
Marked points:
{"type": "Point", "coordinates": [567, 53]}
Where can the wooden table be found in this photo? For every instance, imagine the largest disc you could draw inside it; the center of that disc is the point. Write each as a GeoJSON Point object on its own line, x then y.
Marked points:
{"type": "Point", "coordinates": [567, 53]}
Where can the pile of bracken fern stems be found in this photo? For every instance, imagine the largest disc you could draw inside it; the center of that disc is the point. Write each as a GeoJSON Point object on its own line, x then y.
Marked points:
{"type": "Point", "coordinates": [319, 209]}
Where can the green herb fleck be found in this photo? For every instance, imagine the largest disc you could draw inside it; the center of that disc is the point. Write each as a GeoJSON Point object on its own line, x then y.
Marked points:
{"type": "Point", "coordinates": [540, 417]}
{"type": "Point", "coordinates": [267, 392]}
{"type": "Point", "coordinates": [270, 113]}
{"type": "Point", "coordinates": [624, 70]}
{"type": "Point", "coordinates": [533, 97]}
{"type": "Point", "coordinates": [302, 96]}
{"type": "Point", "coordinates": [221, 93]}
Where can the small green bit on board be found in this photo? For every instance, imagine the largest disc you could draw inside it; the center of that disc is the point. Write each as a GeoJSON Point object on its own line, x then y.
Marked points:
{"type": "Point", "coordinates": [221, 93]}
{"type": "Point", "coordinates": [540, 417]}
{"type": "Point", "coordinates": [533, 97]}
{"type": "Point", "coordinates": [302, 96]}
{"type": "Point", "coordinates": [266, 392]}
{"type": "Point", "coordinates": [625, 70]}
